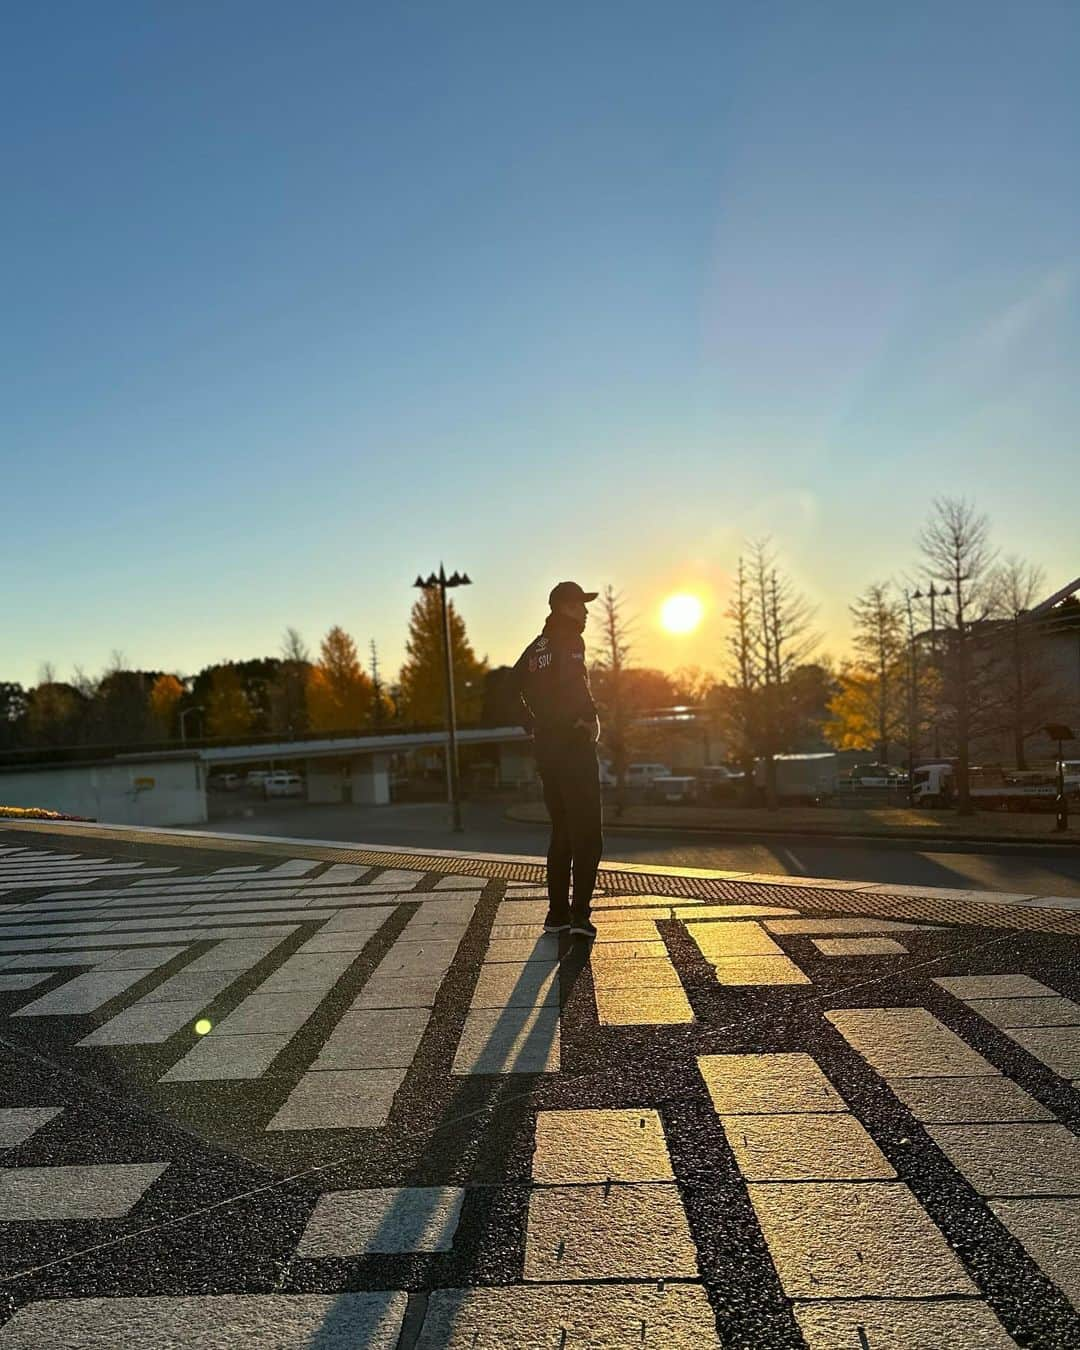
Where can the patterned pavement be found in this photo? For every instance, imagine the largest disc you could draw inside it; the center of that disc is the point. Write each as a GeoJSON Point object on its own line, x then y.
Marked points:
{"type": "Point", "coordinates": [331, 1097]}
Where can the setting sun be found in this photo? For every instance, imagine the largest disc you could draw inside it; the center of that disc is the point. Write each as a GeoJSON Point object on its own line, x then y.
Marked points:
{"type": "Point", "coordinates": [681, 613]}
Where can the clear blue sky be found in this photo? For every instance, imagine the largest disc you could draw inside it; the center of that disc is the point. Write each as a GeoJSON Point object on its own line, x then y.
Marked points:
{"type": "Point", "coordinates": [299, 299]}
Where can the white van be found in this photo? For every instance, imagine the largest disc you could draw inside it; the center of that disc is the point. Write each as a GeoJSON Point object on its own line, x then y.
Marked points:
{"type": "Point", "coordinates": [642, 775]}
{"type": "Point", "coordinates": [283, 785]}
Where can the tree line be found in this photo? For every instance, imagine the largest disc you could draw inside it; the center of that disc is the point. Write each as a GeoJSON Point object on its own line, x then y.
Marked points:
{"type": "Point", "coordinates": [295, 693]}
{"type": "Point", "coordinates": [954, 658]}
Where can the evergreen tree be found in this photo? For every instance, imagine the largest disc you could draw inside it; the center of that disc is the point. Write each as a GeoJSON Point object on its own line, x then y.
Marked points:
{"type": "Point", "coordinates": [421, 681]}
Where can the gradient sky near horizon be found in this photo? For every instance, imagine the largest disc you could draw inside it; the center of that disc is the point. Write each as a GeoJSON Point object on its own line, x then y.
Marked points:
{"type": "Point", "coordinates": [300, 299]}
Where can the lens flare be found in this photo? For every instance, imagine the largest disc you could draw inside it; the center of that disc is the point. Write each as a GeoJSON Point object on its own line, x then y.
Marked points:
{"type": "Point", "coordinates": [202, 1026]}
{"type": "Point", "coordinates": [681, 613]}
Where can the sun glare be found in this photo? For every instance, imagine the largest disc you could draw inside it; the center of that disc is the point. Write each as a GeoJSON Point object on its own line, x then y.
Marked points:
{"type": "Point", "coordinates": [681, 613]}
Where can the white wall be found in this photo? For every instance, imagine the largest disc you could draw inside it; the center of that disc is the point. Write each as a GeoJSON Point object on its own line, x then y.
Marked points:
{"type": "Point", "coordinates": [151, 792]}
{"type": "Point", "coordinates": [371, 780]}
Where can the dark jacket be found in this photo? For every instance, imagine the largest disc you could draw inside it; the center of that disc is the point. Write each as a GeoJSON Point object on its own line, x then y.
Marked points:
{"type": "Point", "coordinates": [554, 684]}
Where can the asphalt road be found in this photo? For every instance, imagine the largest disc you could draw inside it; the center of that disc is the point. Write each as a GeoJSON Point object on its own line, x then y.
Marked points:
{"type": "Point", "coordinates": [1023, 868]}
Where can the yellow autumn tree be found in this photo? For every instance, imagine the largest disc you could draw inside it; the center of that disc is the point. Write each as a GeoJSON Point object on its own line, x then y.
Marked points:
{"type": "Point", "coordinates": [422, 680]}
{"type": "Point", "coordinates": [165, 694]}
{"type": "Point", "coordinates": [228, 712]}
{"type": "Point", "coordinates": [339, 692]}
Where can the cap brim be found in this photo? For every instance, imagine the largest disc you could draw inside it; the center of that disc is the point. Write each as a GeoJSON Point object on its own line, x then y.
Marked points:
{"type": "Point", "coordinates": [587, 596]}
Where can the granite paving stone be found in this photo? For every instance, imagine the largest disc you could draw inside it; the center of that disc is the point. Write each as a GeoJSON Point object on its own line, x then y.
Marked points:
{"type": "Point", "coordinates": [542, 948]}
{"type": "Point", "coordinates": [634, 973]}
{"type": "Point", "coordinates": [642, 1007]}
{"type": "Point", "coordinates": [621, 948]}
{"type": "Point", "coordinates": [746, 970]}
{"type": "Point", "coordinates": [1007, 1013]}
{"type": "Point", "coordinates": [513, 1040]}
{"type": "Point", "coordinates": [570, 1317]}
{"type": "Point", "coordinates": [83, 994]}
{"type": "Point", "coordinates": [386, 991]}
{"type": "Point", "coordinates": [505, 985]}
{"type": "Point", "coordinates": [579, 1147]}
{"type": "Point", "coordinates": [993, 986]}
{"type": "Point", "coordinates": [628, 1232]}
{"type": "Point", "coordinates": [406, 958]}
{"type": "Point", "coordinates": [374, 1038]}
{"type": "Point", "coordinates": [104, 1191]}
{"type": "Point", "coordinates": [1049, 1230]}
{"type": "Point", "coordinates": [18, 1123]}
{"type": "Point", "coordinates": [716, 940]}
{"type": "Point", "coordinates": [901, 1324]}
{"type": "Point", "coordinates": [224, 1057]}
{"type": "Point", "coordinates": [314, 971]}
{"type": "Point", "coordinates": [212, 1322]}
{"type": "Point", "coordinates": [281, 1013]}
{"type": "Point", "coordinates": [145, 1023]}
{"type": "Point", "coordinates": [805, 1147]}
{"type": "Point", "coordinates": [347, 940]}
{"type": "Point", "coordinates": [233, 954]}
{"type": "Point", "coordinates": [768, 1084]}
{"type": "Point", "coordinates": [357, 920]}
{"type": "Point", "coordinates": [9, 983]}
{"type": "Point", "coordinates": [203, 985]}
{"type": "Point", "coordinates": [1057, 1047]}
{"type": "Point", "coordinates": [908, 1043]}
{"type": "Point", "coordinates": [141, 958]}
{"type": "Point", "coordinates": [868, 946]}
{"type": "Point", "coordinates": [864, 1239]}
{"type": "Point", "coordinates": [395, 1219]}
{"type": "Point", "coordinates": [947, 1101]}
{"type": "Point", "coordinates": [330, 1099]}
{"type": "Point", "coordinates": [1008, 1159]}
{"type": "Point", "coordinates": [844, 924]}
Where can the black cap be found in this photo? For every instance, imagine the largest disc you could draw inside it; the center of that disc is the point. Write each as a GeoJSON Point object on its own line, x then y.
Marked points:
{"type": "Point", "coordinates": [570, 590]}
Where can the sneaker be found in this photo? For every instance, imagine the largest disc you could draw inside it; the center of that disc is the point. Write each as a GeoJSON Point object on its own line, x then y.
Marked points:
{"type": "Point", "coordinates": [553, 924]}
{"type": "Point", "coordinates": [582, 928]}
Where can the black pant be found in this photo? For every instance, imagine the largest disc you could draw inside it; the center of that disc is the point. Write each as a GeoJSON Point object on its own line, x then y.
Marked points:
{"type": "Point", "coordinates": [571, 779]}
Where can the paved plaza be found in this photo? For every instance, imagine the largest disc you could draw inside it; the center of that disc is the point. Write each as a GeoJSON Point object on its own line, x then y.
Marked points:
{"type": "Point", "coordinates": [293, 1094]}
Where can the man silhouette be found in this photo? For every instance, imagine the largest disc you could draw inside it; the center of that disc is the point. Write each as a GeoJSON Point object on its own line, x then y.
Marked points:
{"type": "Point", "coordinates": [559, 712]}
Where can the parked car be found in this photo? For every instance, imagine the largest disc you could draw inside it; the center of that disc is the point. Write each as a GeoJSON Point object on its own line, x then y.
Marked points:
{"type": "Point", "coordinates": [641, 775]}
{"type": "Point", "coordinates": [255, 779]}
{"type": "Point", "coordinates": [637, 775]}
{"type": "Point", "coordinates": [283, 785]}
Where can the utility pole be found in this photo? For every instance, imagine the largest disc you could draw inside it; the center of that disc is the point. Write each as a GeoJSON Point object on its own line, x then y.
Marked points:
{"type": "Point", "coordinates": [376, 686]}
{"type": "Point", "coordinates": [442, 583]}
{"type": "Point", "coordinates": [913, 700]}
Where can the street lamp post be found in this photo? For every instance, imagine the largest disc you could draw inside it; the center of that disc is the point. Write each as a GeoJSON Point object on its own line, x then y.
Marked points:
{"type": "Point", "coordinates": [913, 701]}
{"type": "Point", "coordinates": [1057, 731]}
{"type": "Point", "coordinates": [442, 583]}
{"type": "Point", "coordinates": [186, 712]}
{"type": "Point", "coordinates": [934, 595]}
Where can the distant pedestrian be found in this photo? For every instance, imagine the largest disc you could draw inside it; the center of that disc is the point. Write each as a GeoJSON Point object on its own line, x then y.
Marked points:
{"type": "Point", "coordinates": [560, 713]}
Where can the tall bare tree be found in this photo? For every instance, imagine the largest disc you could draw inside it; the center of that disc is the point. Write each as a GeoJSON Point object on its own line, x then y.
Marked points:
{"type": "Point", "coordinates": [1028, 693]}
{"type": "Point", "coordinates": [879, 643]}
{"type": "Point", "coordinates": [610, 661]}
{"type": "Point", "coordinates": [783, 639]}
{"type": "Point", "coordinates": [955, 545]}
{"type": "Point", "coordinates": [742, 707]}
{"type": "Point", "coordinates": [287, 694]}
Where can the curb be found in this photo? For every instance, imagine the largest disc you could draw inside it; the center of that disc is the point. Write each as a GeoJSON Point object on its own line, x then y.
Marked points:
{"type": "Point", "coordinates": [805, 832]}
